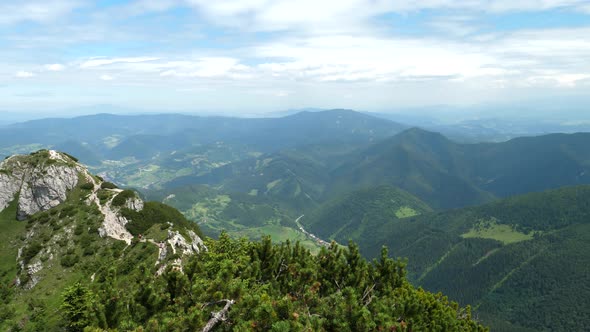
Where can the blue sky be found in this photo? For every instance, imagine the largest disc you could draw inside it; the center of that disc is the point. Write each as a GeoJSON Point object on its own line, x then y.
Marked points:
{"type": "Point", "coordinates": [256, 56]}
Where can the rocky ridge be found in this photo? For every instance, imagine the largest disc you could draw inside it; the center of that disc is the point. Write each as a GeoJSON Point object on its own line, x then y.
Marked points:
{"type": "Point", "coordinates": [43, 181]}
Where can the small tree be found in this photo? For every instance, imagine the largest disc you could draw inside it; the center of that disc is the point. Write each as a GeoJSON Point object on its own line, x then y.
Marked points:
{"type": "Point", "coordinates": [77, 307]}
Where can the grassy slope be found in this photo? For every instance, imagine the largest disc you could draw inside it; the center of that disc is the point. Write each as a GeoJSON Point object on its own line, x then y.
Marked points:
{"type": "Point", "coordinates": [71, 251]}
{"type": "Point", "coordinates": [10, 240]}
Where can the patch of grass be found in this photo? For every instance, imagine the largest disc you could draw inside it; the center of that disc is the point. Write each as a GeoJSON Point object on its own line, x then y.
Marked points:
{"type": "Point", "coordinates": [103, 195]}
{"type": "Point", "coordinates": [71, 157]}
{"type": "Point", "coordinates": [10, 241]}
{"type": "Point", "coordinates": [492, 230]}
{"type": "Point", "coordinates": [87, 186]}
{"type": "Point", "coordinates": [158, 232]}
{"type": "Point", "coordinates": [208, 208]}
{"type": "Point", "coordinates": [272, 184]}
{"type": "Point", "coordinates": [405, 212]}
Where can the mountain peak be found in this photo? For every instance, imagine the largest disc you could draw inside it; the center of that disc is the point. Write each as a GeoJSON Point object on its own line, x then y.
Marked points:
{"type": "Point", "coordinates": [58, 199]}
{"type": "Point", "coordinates": [419, 133]}
{"type": "Point", "coordinates": [39, 181]}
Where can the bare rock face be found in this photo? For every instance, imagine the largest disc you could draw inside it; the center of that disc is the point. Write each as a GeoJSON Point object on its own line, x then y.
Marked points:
{"type": "Point", "coordinates": [177, 241]}
{"type": "Point", "coordinates": [188, 247]}
{"type": "Point", "coordinates": [134, 204]}
{"type": "Point", "coordinates": [196, 242]}
{"type": "Point", "coordinates": [45, 190]}
{"type": "Point", "coordinates": [9, 186]}
{"type": "Point", "coordinates": [40, 186]}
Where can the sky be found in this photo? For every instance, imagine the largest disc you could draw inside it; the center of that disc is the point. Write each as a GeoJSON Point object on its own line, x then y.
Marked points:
{"type": "Point", "coordinates": [256, 56]}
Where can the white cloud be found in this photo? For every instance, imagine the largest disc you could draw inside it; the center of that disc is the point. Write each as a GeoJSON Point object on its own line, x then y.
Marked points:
{"type": "Point", "coordinates": [455, 25]}
{"type": "Point", "coordinates": [344, 15]}
{"type": "Point", "coordinates": [571, 80]}
{"type": "Point", "coordinates": [206, 67]}
{"type": "Point", "coordinates": [42, 11]}
{"type": "Point", "coordinates": [374, 59]}
{"type": "Point", "coordinates": [55, 67]}
{"type": "Point", "coordinates": [99, 62]}
{"type": "Point", "coordinates": [24, 74]}
{"type": "Point", "coordinates": [322, 49]}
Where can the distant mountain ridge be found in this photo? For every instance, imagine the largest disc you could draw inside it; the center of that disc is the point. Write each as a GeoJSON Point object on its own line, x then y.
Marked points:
{"type": "Point", "coordinates": [263, 134]}
{"type": "Point", "coordinates": [446, 174]}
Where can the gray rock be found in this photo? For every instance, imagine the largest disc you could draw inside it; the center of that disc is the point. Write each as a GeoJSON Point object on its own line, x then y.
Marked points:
{"type": "Point", "coordinates": [134, 204]}
{"type": "Point", "coordinates": [9, 186]}
{"type": "Point", "coordinates": [39, 187]}
{"type": "Point", "coordinates": [45, 189]}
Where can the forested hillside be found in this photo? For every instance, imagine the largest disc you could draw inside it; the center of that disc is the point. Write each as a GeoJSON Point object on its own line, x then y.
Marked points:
{"type": "Point", "coordinates": [351, 215]}
{"type": "Point", "coordinates": [446, 174]}
{"type": "Point", "coordinates": [522, 262]}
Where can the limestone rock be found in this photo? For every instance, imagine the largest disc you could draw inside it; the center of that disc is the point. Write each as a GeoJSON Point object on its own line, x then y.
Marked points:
{"type": "Point", "coordinates": [40, 186]}
{"type": "Point", "coordinates": [177, 241]}
{"type": "Point", "coordinates": [45, 189]}
{"type": "Point", "coordinates": [9, 186]}
{"type": "Point", "coordinates": [134, 204]}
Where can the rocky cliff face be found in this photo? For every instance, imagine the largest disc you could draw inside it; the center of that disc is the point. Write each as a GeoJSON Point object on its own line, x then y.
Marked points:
{"type": "Point", "coordinates": [9, 186]}
{"type": "Point", "coordinates": [41, 181]}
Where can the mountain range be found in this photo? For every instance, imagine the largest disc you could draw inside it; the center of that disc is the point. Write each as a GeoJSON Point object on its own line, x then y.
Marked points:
{"type": "Point", "coordinates": [488, 224]}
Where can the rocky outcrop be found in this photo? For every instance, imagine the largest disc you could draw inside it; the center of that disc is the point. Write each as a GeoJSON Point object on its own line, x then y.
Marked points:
{"type": "Point", "coordinates": [9, 186]}
{"type": "Point", "coordinates": [134, 204]}
{"type": "Point", "coordinates": [177, 241]}
{"type": "Point", "coordinates": [114, 223]}
{"type": "Point", "coordinates": [41, 181]}
{"type": "Point", "coordinates": [43, 190]}
{"type": "Point", "coordinates": [40, 185]}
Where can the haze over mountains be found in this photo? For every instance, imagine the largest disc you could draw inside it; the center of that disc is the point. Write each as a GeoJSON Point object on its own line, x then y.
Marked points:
{"type": "Point", "coordinates": [448, 206]}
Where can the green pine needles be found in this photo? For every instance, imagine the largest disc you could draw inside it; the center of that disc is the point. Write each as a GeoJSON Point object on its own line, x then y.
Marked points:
{"type": "Point", "coordinates": [258, 286]}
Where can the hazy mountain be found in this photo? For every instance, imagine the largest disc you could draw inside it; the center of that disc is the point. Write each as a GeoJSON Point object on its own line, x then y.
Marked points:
{"type": "Point", "coordinates": [476, 126]}
{"type": "Point", "coordinates": [446, 174]}
{"type": "Point", "coordinates": [423, 163]}
{"type": "Point", "coordinates": [266, 133]}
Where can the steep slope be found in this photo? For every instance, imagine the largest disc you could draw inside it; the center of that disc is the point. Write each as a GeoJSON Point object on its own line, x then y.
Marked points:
{"type": "Point", "coordinates": [523, 262]}
{"type": "Point", "coordinates": [59, 224]}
